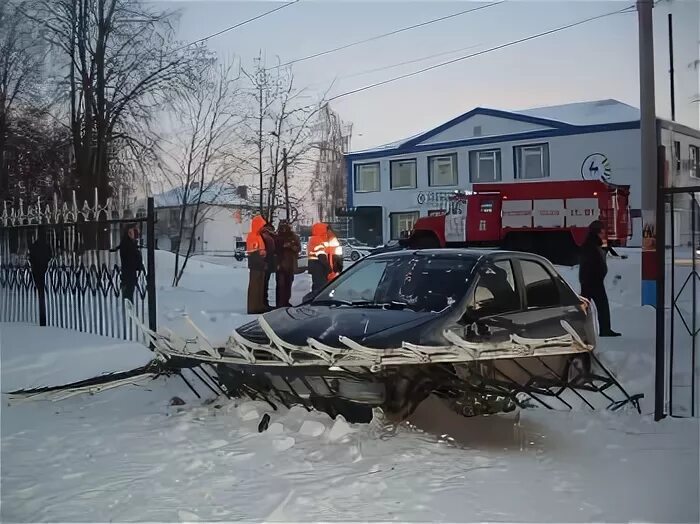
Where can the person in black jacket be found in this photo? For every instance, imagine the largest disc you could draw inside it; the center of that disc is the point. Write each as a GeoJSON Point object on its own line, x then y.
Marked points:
{"type": "Point", "coordinates": [592, 271]}
{"type": "Point", "coordinates": [131, 261]}
{"type": "Point", "coordinates": [40, 256]}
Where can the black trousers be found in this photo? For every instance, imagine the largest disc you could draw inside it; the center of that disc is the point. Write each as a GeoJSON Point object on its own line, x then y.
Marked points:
{"type": "Point", "coordinates": [597, 294]}
{"type": "Point", "coordinates": [283, 288]}
{"type": "Point", "coordinates": [319, 275]}
{"type": "Point", "coordinates": [128, 288]}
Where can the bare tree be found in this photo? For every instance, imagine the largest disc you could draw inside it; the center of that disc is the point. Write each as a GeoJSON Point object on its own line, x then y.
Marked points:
{"type": "Point", "coordinates": [329, 185]}
{"type": "Point", "coordinates": [120, 61]}
{"type": "Point", "coordinates": [21, 59]}
{"type": "Point", "coordinates": [198, 161]}
{"type": "Point", "coordinates": [281, 118]}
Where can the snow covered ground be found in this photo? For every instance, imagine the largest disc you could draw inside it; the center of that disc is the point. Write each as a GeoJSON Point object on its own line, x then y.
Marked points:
{"type": "Point", "coordinates": [129, 455]}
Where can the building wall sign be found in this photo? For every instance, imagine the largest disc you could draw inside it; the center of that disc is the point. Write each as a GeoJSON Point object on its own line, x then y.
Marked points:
{"type": "Point", "coordinates": [434, 198]}
{"type": "Point", "coordinates": [596, 167]}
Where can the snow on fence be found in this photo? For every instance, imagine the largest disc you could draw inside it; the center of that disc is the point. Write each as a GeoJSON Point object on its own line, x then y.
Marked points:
{"type": "Point", "coordinates": [79, 283]}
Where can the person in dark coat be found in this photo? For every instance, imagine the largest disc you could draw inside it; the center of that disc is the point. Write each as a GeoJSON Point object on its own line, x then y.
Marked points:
{"type": "Point", "coordinates": [288, 249]}
{"type": "Point", "coordinates": [40, 256]}
{"type": "Point", "coordinates": [131, 261]}
{"type": "Point", "coordinates": [268, 235]}
{"type": "Point", "coordinates": [592, 271]}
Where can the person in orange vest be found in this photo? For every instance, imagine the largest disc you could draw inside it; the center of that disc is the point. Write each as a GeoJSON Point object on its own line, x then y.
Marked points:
{"type": "Point", "coordinates": [255, 248]}
{"type": "Point", "coordinates": [319, 264]}
{"type": "Point", "coordinates": [334, 252]}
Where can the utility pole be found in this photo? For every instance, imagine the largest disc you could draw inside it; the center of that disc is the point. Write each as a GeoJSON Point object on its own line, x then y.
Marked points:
{"type": "Point", "coordinates": [670, 71]}
{"type": "Point", "coordinates": [286, 183]}
{"type": "Point", "coordinates": [650, 269]}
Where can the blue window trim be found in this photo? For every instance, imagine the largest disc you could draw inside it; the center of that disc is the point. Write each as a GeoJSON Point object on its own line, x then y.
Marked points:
{"type": "Point", "coordinates": [353, 179]}
{"type": "Point", "coordinates": [456, 164]}
{"type": "Point", "coordinates": [391, 180]}
{"type": "Point", "coordinates": [515, 160]}
{"type": "Point", "coordinates": [408, 148]}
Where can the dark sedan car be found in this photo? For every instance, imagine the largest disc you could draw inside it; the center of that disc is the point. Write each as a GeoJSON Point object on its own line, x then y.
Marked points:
{"type": "Point", "coordinates": [472, 326]}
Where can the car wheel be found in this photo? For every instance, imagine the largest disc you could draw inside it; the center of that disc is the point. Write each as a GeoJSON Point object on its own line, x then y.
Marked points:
{"type": "Point", "coordinates": [354, 256]}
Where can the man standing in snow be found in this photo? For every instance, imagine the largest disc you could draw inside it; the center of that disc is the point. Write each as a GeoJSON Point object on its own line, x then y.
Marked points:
{"type": "Point", "coordinates": [40, 256]}
{"type": "Point", "coordinates": [131, 261]}
{"type": "Point", "coordinates": [288, 248]}
{"type": "Point", "coordinates": [592, 273]}
{"type": "Point", "coordinates": [255, 249]}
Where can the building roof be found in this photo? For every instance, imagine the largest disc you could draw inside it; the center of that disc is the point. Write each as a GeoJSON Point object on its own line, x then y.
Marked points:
{"type": "Point", "coordinates": [212, 195]}
{"type": "Point", "coordinates": [567, 119]}
{"type": "Point", "coordinates": [586, 113]}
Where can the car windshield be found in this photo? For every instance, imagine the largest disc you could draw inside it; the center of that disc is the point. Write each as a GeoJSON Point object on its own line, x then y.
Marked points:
{"type": "Point", "coordinates": [419, 283]}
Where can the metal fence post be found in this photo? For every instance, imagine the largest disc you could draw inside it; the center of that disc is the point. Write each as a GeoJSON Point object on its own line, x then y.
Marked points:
{"type": "Point", "coordinates": [660, 376]}
{"type": "Point", "coordinates": [151, 262]}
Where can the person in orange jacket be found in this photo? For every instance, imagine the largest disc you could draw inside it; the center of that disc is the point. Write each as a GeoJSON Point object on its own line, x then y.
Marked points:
{"type": "Point", "coordinates": [319, 264]}
{"type": "Point", "coordinates": [255, 249]}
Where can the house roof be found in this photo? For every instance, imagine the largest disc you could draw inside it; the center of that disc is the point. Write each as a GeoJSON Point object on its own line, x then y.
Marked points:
{"type": "Point", "coordinates": [212, 195]}
{"type": "Point", "coordinates": [564, 119]}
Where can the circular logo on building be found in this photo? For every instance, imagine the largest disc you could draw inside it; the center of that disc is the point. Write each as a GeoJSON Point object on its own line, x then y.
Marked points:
{"type": "Point", "coordinates": [596, 167]}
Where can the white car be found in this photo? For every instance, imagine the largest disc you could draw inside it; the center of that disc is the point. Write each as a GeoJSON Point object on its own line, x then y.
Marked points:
{"type": "Point", "coordinates": [353, 249]}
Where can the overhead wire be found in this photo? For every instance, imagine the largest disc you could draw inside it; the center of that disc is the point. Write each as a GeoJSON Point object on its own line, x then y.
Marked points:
{"type": "Point", "coordinates": [390, 33]}
{"type": "Point", "coordinates": [482, 52]}
{"type": "Point", "coordinates": [239, 24]}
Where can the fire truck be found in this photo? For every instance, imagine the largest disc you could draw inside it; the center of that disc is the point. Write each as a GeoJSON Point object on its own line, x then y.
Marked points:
{"type": "Point", "coordinates": [546, 218]}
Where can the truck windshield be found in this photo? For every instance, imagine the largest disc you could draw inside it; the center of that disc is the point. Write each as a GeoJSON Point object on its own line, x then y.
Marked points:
{"type": "Point", "coordinates": [419, 283]}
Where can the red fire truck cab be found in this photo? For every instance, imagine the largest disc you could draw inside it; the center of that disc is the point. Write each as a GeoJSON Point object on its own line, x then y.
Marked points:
{"type": "Point", "coordinates": [547, 218]}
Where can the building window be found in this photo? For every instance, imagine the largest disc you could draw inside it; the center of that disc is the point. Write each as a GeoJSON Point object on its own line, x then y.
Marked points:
{"type": "Point", "coordinates": [677, 157]}
{"type": "Point", "coordinates": [442, 170]}
{"type": "Point", "coordinates": [531, 161]}
{"type": "Point", "coordinates": [403, 174]}
{"type": "Point", "coordinates": [367, 178]}
{"type": "Point", "coordinates": [485, 166]}
{"type": "Point", "coordinates": [402, 223]}
{"type": "Point", "coordinates": [694, 161]}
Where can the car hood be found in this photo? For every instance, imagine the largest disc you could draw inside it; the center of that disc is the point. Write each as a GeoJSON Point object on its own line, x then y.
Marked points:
{"type": "Point", "coordinates": [377, 327]}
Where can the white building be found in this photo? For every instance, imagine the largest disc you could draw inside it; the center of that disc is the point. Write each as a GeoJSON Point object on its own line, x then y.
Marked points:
{"type": "Point", "coordinates": [223, 220]}
{"type": "Point", "coordinates": [390, 186]}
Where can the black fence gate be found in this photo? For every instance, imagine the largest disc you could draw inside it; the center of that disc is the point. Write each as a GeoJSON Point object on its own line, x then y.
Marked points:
{"type": "Point", "coordinates": [81, 286]}
{"type": "Point", "coordinates": [678, 301]}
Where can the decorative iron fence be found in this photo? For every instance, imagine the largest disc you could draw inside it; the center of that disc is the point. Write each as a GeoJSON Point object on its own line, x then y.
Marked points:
{"type": "Point", "coordinates": [61, 265]}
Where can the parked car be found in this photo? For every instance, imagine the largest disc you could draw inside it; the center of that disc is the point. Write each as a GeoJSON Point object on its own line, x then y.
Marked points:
{"type": "Point", "coordinates": [353, 249]}
{"type": "Point", "coordinates": [475, 328]}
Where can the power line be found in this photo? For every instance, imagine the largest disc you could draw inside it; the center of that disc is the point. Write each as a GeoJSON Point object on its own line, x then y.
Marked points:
{"type": "Point", "coordinates": [383, 35]}
{"type": "Point", "coordinates": [459, 59]}
{"type": "Point", "coordinates": [239, 24]}
{"type": "Point", "coordinates": [406, 62]}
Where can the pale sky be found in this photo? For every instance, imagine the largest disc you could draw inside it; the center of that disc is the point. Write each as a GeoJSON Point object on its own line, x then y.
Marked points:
{"type": "Point", "coordinates": [597, 60]}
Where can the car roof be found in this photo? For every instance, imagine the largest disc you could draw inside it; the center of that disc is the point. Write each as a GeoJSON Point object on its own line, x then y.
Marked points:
{"type": "Point", "coordinates": [475, 254]}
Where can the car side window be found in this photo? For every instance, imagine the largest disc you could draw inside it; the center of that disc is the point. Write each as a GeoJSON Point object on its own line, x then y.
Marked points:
{"type": "Point", "coordinates": [540, 288]}
{"type": "Point", "coordinates": [361, 287]}
{"type": "Point", "coordinates": [495, 291]}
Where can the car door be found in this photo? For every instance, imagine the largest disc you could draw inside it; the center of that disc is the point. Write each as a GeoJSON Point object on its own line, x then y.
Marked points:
{"type": "Point", "coordinates": [546, 302]}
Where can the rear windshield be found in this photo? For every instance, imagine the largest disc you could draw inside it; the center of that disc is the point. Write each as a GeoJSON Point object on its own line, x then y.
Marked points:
{"type": "Point", "coordinates": [419, 283]}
